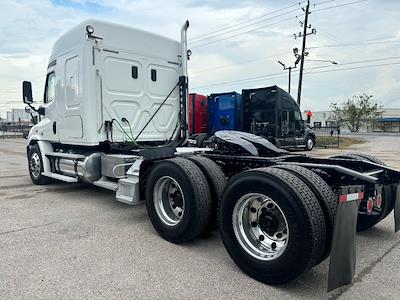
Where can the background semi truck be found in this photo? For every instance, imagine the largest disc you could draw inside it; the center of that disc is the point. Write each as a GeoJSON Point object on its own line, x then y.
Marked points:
{"type": "Point", "coordinates": [269, 112]}
{"type": "Point", "coordinates": [115, 113]}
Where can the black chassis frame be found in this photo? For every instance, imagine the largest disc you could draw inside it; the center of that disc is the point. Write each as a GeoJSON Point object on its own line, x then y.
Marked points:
{"type": "Point", "coordinates": [335, 171]}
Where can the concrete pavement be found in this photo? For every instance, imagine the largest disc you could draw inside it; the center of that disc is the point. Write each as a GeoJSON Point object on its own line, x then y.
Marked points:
{"type": "Point", "coordinates": [75, 241]}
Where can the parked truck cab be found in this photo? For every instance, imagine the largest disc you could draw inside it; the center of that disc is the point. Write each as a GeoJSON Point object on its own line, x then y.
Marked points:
{"type": "Point", "coordinates": [271, 112]}
{"type": "Point", "coordinates": [101, 81]}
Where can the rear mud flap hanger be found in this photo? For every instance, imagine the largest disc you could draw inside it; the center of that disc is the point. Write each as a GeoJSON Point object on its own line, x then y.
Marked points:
{"type": "Point", "coordinates": [343, 253]}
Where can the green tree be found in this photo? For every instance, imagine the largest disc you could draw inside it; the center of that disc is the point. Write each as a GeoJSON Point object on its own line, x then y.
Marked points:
{"type": "Point", "coordinates": [357, 111]}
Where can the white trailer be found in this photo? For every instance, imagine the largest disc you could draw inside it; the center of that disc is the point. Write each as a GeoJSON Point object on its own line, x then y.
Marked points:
{"type": "Point", "coordinates": [115, 116]}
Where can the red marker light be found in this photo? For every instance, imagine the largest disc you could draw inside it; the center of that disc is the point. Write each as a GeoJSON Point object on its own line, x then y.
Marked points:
{"type": "Point", "coordinates": [370, 205]}
{"type": "Point", "coordinates": [379, 201]}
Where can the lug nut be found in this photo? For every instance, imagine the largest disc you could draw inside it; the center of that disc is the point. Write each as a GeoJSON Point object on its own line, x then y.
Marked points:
{"type": "Point", "coordinates": [173, 206]}
{"type": "Point", "coordinates": [180, 214]}
{"type": "Point", "coordinates": [261, 238]}
{"type": "Point", "coordinates": [253, 224]}
{"type": "Point", "coordinates": [253, 210]}
{"type": "Point", "coordinates": [273, 246]}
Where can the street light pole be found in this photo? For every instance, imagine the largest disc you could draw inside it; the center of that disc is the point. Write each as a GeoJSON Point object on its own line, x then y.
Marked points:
{"type": "Point", "coordinates": [290, 73]}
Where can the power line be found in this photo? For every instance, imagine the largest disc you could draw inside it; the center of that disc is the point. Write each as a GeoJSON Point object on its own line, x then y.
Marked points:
{"type": "Point", "coordinates": [239, 63]}
{"type": "Point", "coordinates": [354, 68]}
{"type": "Point", "coordinates": [245, 81]}
{"type": "Point", "coordinates": [357, 62]}
{"type": "Point", "coordinates": [225, 38]}
{"type": "Point", "coordinates": [242, 27]}
{"type": "Point", "coordinates": [284, 20]}
{"type": "Point", "coordinates": [247, 21]}
{"type": "Point", "coordinates": [339, 5]}
{"type": "Point", "coordinates": [354, 44]}
{"type": "Point", "coordinates": [262, 77]}
{"type": "Point", "coordinates": [323, 2]}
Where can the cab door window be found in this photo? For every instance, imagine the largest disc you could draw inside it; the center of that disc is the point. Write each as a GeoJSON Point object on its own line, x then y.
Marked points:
{"type": "Point", "coordinates": [50, 89]}
{"type": "Point", "coordinates": [285, 122]}
{"type": "Point", "coordinates": [299, 123]}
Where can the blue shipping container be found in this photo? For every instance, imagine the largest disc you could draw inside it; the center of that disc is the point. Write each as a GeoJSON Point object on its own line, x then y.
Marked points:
{"type": "Point", "coordinates": [223, 112]}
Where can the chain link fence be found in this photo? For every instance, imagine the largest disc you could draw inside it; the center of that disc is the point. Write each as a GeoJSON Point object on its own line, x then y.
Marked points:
{"type": "Point", "coordinates": [327, 136]}
{"type": "Point", "coordinates": [14, 130]}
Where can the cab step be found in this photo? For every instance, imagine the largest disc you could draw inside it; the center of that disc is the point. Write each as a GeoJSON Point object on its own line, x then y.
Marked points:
{"type": "Point", "coordinates": [60, 177]}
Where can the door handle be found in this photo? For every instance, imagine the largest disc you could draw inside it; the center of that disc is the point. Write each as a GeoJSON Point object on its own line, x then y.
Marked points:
{"type": "Point", "coordinates": [54, 127]}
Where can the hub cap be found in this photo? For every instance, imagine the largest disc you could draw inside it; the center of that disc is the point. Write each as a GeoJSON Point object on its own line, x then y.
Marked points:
{"type": "Point", "coordinates": [169, 201]}
{"type": "Point", "coordinates": [260, 226]}
{"type": "Point", "coordinates": [34, 165]}
{"type": "Point", "coordinates": [310, 143]}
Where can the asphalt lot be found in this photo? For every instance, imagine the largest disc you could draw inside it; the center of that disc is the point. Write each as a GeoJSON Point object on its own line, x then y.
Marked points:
{"type": "Point", "coordinates": [77, 242]}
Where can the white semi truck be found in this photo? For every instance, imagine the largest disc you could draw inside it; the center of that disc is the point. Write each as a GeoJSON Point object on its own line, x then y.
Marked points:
{"type": "Point", "coordinates": [114, 115]}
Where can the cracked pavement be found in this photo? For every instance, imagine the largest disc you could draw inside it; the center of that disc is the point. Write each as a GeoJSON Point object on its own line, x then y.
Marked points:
{"type": "Point", "coordinates": [75, 241]}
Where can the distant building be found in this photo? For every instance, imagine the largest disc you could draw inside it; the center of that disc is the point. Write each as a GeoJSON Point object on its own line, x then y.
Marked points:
{"type": "Point", "coordinates": [321, 118]}
{"type": "Point", "coordinates": [389, 122]}
{"type": "Point", "coordinates": [19, 115]}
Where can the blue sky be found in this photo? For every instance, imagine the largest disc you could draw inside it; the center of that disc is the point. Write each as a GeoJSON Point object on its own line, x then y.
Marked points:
{"type": "Point", "coordinates": [243, 56]}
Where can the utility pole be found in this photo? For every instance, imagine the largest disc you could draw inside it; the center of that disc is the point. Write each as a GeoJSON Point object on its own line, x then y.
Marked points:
{"type": "Point", "coordinates": [303, 49]}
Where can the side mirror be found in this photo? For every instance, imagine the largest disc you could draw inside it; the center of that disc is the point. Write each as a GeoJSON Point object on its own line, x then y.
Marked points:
{"type": "Point", "coordinates": [27, 92]}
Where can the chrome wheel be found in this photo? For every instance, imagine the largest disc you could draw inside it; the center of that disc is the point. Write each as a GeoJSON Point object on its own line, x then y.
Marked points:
{"type": "Point", "coordinates": [35, 165]}
{"type": "Point", "coordinates": [310, 143]}
{"type": "Point", "coordinates": [169, 201]}
{"type": "Point", "coordinates": [260, 226]}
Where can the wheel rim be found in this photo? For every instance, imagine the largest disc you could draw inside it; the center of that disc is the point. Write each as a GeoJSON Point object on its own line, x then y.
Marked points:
{"type": "Point", "coordinates": [310, 143]}
{"type": "Point", "coordinates": [169, 201]}
{"type": "Point", "coordinates": [34, 165]}
{"type": "Point", "coordinates": [260, 226]}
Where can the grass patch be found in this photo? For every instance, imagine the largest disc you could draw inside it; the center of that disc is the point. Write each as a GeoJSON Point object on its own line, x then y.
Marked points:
{"type": "Point", "coordinates": [331, 142]}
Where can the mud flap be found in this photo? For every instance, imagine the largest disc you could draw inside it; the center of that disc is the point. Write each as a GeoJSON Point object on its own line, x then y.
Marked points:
{"type": "Point", "coordinates": [397, 209]}
{"type": "Point", "coordinates": [343, 254]}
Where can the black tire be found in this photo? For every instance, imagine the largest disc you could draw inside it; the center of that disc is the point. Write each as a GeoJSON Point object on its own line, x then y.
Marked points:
{"type": "Point", "coordinates": [365, 221]}
{"type": "Point", "coordinates": [326, 198]}
{"type": "Point", "coordinates": [304, 218]}
{"type": "Point", "coordinates": [196, 199]}
{"type": "Point", "coordinates": [35, 166]}
{"type": "Point", "coordinates": [310, 143]}
{"type": "Point", "coordinates": [216, 181]}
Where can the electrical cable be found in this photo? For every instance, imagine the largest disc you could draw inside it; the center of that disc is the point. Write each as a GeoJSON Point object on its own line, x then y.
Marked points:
{"type": "Point", "coordinates": [339, 5]}
{"type": "Point", "coordinates": [240, 33]}
{"type": "Point", "coordinates": [247, 21]}
{"type": "Point", "coordinates": [236, 29]}
{"type": "Point", "coordinates": [122, 128]}
{"type": "Point", "coordinates": [239, 63]}
{"type": "Point", "coordinates": [274, 76]}
{"type": "Point", "coordinates": [151, 118]}
{"type": "Point", "coordinates": [353, 44]}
